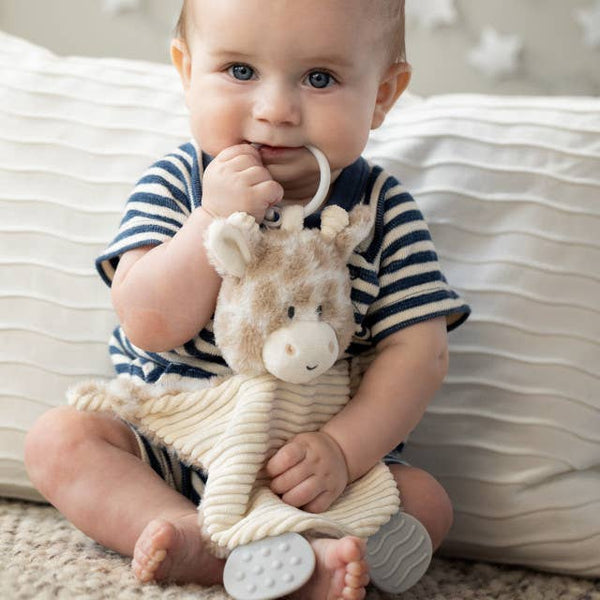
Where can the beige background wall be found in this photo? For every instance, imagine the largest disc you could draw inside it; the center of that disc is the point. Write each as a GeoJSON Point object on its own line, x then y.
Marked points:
{"type": "Point", "coordinates": [554, 58]}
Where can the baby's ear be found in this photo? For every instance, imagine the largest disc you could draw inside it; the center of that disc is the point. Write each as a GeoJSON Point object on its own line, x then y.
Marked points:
{"type": "Point", "coordinates": [231, 243]}
{"type": "Point", "coordinates": [181, 58]}
{"type": "Point", "coordinates": [393, 83]}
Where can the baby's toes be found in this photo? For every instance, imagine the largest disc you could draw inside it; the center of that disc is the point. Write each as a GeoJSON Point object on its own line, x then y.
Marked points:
{"type": "Point", "coordinates": [151, 550]}
{"type": "Point", "coordinates": [352, 593]}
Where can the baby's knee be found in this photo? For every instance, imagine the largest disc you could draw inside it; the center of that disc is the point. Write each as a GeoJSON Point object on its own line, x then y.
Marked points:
{"type": "Point", "coordinates": [51, 440]}
{"type": "Point", "coordinates": [425, 498]}
{"type": "Point", "coordinates": [59, 441]}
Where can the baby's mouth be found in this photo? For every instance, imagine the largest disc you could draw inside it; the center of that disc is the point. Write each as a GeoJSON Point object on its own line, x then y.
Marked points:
{"type": "Point", "coordinates": [279, 154]}
{"type": "Point", "coordinates": [268, 147]}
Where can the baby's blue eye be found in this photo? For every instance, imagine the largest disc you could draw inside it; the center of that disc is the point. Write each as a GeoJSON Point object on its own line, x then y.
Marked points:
{"type": "Point", "coordinates": [241, 72]}
{"type": "Point", "coordinates": [320, 79]}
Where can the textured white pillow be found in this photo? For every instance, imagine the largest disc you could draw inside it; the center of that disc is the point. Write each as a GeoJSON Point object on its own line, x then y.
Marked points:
{"type": "Point", "coordinates": [511, 189]}
{"type": "Point", "coordinates": [75, 135]}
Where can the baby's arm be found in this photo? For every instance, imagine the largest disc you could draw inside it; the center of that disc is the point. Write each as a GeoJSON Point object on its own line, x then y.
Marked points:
{"type": "Point", "coordinates": [164, 295]}
{"type": "Point", "coordinates": [313, 469]}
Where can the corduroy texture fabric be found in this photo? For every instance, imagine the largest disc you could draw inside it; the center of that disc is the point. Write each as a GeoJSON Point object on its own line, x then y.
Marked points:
{"type": "Point", "coordinates": [229, 428]}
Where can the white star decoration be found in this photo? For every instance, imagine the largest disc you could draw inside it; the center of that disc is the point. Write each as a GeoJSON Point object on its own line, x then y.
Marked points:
{"type": "Point", "coordinates": [114, 7]}
{"type": "Point", "coordinates": [432, 13]}
{"type": "Point", "coordinates": [496, 55]}
{"type": "Point", "coordinates": [589, 19]}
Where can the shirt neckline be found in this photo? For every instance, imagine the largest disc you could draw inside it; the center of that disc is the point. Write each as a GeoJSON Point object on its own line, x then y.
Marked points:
{"type": "Point", "coordinates": [347, 190]}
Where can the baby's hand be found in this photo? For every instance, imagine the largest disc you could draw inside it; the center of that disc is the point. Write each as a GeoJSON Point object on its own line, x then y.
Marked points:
{"type": "Point", "coordinates": [237, 181]}
{"type": "Point", "coordinates": [309, 472]}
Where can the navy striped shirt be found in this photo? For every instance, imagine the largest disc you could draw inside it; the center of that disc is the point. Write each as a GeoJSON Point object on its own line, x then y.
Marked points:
{"type": "Point", "coordinates": [396, 277]}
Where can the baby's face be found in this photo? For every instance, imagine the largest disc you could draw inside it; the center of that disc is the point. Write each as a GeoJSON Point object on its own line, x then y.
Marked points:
{"type": "Point", "coordinates": [284, 74]}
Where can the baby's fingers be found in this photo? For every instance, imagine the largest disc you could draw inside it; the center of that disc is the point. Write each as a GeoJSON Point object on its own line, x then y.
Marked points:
{"type": "Point", "coordinates": [290, 478]}
{"type": "Point", "coordinates": [285, 458]}
{"type": "Point", "coordinates": [268, 192]}
{"type": "Point", "coordinates": [319, 504]}
{"type": "Point", "coordinates": [238, 150]}
{"type": "Point", "coordinates": [304, 493]}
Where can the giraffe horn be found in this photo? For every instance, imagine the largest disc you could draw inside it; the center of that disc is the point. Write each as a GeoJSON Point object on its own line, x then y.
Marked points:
{"type": "Point", "coordinates": [334, 219]}
{"type": "Point", "coordinates": [292, 218]}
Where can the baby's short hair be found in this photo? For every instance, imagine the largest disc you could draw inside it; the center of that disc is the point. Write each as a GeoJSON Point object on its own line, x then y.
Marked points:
{"type": "Point", "coordinates": [390, 11]}
{"type": "Point", "coordinates": [180, 27]}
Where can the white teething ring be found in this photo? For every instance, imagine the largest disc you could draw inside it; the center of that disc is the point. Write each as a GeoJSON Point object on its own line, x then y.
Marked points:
{"type": "Point", "coordinates": [324, 183]}
{"type": "Point", "coordinates": [272, 216]}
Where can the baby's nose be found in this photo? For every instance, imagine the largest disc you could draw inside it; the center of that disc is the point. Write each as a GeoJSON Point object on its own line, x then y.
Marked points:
{"type": "Point", "coordinates": [277, 104]}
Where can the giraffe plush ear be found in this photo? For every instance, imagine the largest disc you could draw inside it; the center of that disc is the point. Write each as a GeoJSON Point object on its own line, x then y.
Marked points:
{"type": "Point", "coordinates": [230, 243]}
{"type": "Point", "coordinates": [347, 230]}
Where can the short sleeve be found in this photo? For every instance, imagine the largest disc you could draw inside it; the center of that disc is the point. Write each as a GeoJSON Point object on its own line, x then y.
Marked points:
{"type": "Point", "coordinates": [412, 287]}
{"type": "Point", "coordinates": [156, 209]}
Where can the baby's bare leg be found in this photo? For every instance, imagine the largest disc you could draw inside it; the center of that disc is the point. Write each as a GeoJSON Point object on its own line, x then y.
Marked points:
{"type": "Point", "coordinates": [88, 466]}
{"type": "Point", "coordinates": [424, 498]}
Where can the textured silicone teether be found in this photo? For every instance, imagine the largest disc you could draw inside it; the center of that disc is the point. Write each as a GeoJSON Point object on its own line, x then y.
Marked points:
{"type": "Point", "coordinates": [269, 568]}
{"type": "Point", "coordinates": [399, 554]}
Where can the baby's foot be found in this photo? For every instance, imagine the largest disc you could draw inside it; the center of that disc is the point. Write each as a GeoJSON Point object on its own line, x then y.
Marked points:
{"type": "Point", "coordinates": [341, 572]}
{"type": "Point", "coordinates": [175, 551]}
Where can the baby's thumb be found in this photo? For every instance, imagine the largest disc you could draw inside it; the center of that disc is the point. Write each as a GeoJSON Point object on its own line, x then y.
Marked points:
{"type": "Point", "coordinates": [277, 194]}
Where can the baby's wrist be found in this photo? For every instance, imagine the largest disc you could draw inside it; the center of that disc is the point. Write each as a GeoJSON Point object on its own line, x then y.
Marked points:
{"type": "Point", "coordinates": [207, 212]}
{"type": "Point", "coordinates": [340, 450]}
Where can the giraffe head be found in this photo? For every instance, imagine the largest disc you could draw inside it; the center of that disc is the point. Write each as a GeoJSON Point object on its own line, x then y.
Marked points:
{"type": "Point", "coordinates": [284, 306]}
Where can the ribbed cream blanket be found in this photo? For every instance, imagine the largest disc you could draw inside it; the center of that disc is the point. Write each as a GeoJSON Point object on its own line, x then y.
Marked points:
{"type": "Point", "coordinates": [230, 427]}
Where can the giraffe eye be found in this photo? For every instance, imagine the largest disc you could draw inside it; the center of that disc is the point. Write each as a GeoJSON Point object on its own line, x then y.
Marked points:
{"type": "Point", "coordinates": [320, 310]}
{"type": "Point", "coordinates": [291, 312]}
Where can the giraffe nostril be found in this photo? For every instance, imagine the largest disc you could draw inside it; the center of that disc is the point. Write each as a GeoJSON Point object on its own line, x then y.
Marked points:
{"type": "Point", "coordinates": [290, 350]}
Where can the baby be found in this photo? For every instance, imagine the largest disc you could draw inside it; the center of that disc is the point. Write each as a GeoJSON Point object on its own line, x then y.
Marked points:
{"type": "Point", "coordinates": [262, 80]}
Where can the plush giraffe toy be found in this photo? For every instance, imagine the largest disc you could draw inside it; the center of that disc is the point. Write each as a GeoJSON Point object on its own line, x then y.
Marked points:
{"type": "Point", "coordinates": [283, 320]}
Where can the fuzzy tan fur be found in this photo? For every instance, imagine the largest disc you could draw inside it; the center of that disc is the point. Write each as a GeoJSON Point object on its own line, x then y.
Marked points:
{"type": "Point", "coordinates": [304, 268]}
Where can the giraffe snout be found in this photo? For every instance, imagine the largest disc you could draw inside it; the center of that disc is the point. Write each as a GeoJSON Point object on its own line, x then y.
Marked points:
{"type": "Point", "coordinates": [301, 351]}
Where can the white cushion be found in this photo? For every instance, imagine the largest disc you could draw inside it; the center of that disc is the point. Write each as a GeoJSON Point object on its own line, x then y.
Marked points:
{"type": "Point", "coordinates": [511, 189]}
{"type": "Point", "coordinates": [75, 135]}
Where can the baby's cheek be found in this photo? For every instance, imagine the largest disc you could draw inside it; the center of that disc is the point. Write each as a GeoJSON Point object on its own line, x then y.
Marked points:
{"type": "Point", "coordinates": [344, 143]}
{"type": "Point", "coordinates": [215, 128]}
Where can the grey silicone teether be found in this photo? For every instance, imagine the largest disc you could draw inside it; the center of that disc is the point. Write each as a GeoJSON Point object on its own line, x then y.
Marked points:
{"type": "Point", "coordinates": [399, 554]}
{"type": "Point", "coordinates": [269, 568]}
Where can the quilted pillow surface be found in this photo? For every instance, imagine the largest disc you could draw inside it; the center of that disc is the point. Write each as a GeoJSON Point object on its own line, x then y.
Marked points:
{"type": "Point", "coordinates": [511, 189]}
{"type": "Point", "coordinates": [76, 134]}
